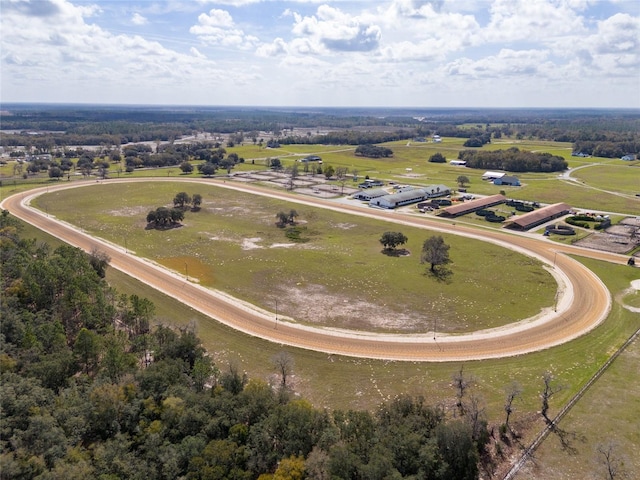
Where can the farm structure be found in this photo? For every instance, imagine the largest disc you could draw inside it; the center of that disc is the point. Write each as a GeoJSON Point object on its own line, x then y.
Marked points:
{"type": "Point", "coordinates": [408, 197]}
{"type": "Point", "coordinates": [489, 175]}
{"type": "Point", "coordinates": [538, 217]}
{"type": "Point", "coordinates": [472, 206]}
{"type": "Point", "coordinates": [507, 180]}
{"type": "Point", "coordinates": [311, 158]}
{"type": "Point", "coordinates": [458, 163]}
{"type": "Point", "coordinates": [368, 195]}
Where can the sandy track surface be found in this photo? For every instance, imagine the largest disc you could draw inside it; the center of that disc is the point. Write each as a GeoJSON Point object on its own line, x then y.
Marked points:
{"type": "Point", "coordinates": [582, 302]}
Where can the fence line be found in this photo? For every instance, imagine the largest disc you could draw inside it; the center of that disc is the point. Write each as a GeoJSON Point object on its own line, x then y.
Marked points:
{"type": "Point", "coordinates": [528, 452]}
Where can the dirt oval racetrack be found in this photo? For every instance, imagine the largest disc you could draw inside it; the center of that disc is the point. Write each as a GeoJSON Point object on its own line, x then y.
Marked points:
{"type": "Point", "coordinates": [583, 300]}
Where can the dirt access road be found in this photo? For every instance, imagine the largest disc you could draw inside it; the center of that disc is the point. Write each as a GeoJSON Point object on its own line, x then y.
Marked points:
{"type": "Point", "coordinates": [582, 301]}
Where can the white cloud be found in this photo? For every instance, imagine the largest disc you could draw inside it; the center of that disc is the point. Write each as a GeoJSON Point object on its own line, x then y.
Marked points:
{"type": "Point", "coordinates": [75, 58]}
{"type": "Point", "coordinates": [196, 53]}
{"type": "Point", "coordinates": [216, 18]}
{"type": "Point", "coordinates": [230, 3]}
{"type": "Point", "coordinates": [218, 28]}
{"type": "Point", "coordinates": [508, 63]}
{"type": "Point", "coordinates": [375, 52]}
{"type": "Point", "coordinates": [274, 49]}
{"type": "Point", "coordinates": [540, 20]}
{"type": "Point", "coordinates": [138, 19]}
{"type": "Point", "coordinates": [330, 29]}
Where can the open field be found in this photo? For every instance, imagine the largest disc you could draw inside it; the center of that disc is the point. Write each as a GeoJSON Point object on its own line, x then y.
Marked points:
{"type": "Point", "coordinates": [603, 176]}
{"type": "Point", "coordinates": [338, 278]}
{"type": "Point", "coordinates": [623, 177]}
{"type": "Point", "coordinates": [606, 417]}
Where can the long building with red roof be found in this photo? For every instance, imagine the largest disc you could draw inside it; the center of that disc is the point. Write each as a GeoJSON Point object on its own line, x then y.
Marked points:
{"type": "Point", "coordinates": [537, 217]}
{"type": "Point", "coordinates": [472, 206]}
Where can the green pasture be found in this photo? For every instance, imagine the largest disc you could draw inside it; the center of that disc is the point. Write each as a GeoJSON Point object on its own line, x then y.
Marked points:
{"type": "Point", "coordinates": [583, 196]}
{"type": "Point", "coordinates": [606, 415]}
{"type": "Point", "coordinates": [619, 176]}
{"type": "Point", "coordinates": [341, 259]}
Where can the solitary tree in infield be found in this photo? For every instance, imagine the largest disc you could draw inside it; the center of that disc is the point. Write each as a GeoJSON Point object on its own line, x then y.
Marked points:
{"type": "Point", "coordinates": [463, 180]}
{"type": "Point", "coordinates": [435, 252]}
{"type": "Point", "coordinates": [390, 240]}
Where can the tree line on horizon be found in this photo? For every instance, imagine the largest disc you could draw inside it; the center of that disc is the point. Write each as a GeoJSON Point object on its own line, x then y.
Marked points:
{"type": "Point", "coordinates": [607, 134]}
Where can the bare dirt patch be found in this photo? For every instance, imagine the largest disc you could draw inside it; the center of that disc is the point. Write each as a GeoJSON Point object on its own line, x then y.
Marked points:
{"type": "Point", "coordinates": [129, 211]}
{"type": "Point", "coordinates": [620, 238]}
{"type": "Point", "coordinates": [345, 226]}
{"type": "Point", "coordinates": [314, 305]}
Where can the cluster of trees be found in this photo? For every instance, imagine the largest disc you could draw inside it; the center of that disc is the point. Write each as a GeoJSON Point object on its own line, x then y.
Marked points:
{"type": "Point", "coordinates": [478, 140]}
{"type": "Point", "coordinates": [284, 219]}
{"type": "Point", "coordinates": [90, 389]}
{"type": "Point", "coordinates": [513, 160]}
{"type": "Point", "coordinates": [349, 137]}
{"type": "Point", "coordinates": [164, 217]}
{"type": "Point", "coordinates": [607, 149]}
{"type": "Point", "coordinates": [373, 151]}
{"type": "Point", "coordinates": [183, 200]}
{"type": "Point", "coordinates": [437, 158]}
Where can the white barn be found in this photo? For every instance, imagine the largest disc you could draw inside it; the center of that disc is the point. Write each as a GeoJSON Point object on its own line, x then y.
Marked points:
{"type": "Point", "coordinates": [489, 175]}
{"type": "Point", "coordinates": [408, 197]}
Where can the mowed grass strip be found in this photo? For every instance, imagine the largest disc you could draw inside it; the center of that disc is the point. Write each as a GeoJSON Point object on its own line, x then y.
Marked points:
{"type": "Point", "coordinates": [338, 277]}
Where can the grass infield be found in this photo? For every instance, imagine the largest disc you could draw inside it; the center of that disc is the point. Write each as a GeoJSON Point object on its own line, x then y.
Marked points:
{"type": "Point", "coordinates": [336, 276]}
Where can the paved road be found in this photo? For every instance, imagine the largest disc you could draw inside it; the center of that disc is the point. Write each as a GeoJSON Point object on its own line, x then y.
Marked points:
{"type": "Point", "coordinates": [583, 300]}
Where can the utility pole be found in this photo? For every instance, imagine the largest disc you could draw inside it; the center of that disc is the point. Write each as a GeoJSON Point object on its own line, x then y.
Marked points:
{"type": "Point", "coordinates": [276, 313]}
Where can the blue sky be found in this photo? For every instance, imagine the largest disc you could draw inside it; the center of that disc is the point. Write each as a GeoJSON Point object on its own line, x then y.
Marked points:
{"type": "Point", "coordinates": [394, 53]}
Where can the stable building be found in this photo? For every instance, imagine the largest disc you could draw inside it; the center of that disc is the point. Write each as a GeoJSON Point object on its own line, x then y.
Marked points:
{"type": "Point", "coordinates": [508, 180]}
{"type": "Point", "coordinates": [537, 217]}
{"type": "Point", "coordinates": [489, 175]}
{"type": "Point", "coordinates": [368, 195]}
{"type": "Point", "coordinates": [407, 197]}
{"type": "Point", "coordinates": [472, 206]}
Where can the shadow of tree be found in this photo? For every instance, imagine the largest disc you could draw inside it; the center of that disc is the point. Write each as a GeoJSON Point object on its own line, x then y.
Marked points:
{"type": "Point", "coordinates": [402, 252]}
{"type": "Point", "coordinates": [568, 439]}
{"type": "Point", "coordinates": [170, 226]}
{"type": "Point", "coordinates": [440, 274]}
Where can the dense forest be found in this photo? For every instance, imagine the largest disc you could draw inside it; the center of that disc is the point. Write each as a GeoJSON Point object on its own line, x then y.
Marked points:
{"type": "Point", "coordinates": [606, 133]}
{"type": "Point", "coordinates": [92, 387]}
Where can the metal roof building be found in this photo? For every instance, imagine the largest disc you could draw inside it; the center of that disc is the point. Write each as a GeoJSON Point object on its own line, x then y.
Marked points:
{"type": "Point", "coordinates": [537, 217]}
{"type": "Point", "coordinates": [368, 195]}
{"type": "Point", "coordinates": [472, 206]}
{"type": "Point", "coordinates": [407, 197]}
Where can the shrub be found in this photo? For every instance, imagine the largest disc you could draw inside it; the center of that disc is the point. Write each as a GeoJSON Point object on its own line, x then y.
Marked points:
{"type": "Point", "coordinates": [524, 208]}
